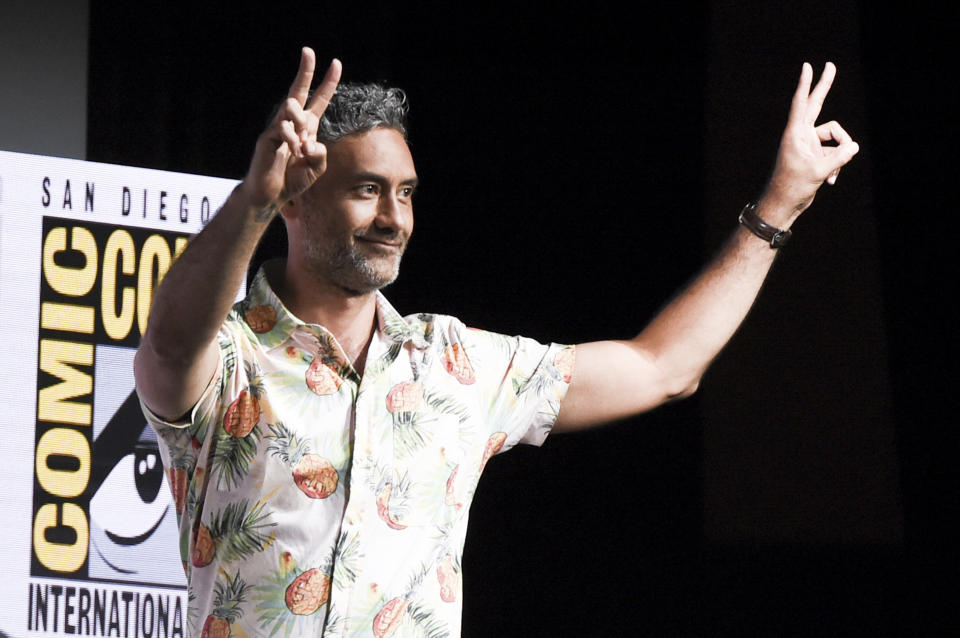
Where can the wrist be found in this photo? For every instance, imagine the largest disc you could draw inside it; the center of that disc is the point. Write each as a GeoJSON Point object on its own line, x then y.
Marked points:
{"type": "Point", "coordinates": [260, 207]}
{"type": "Point", "coordinates": [752, 221]}
{"type": "Point", "coordinates": [782, 202]}
{"type": "Point", "coordinates": [777, 211]}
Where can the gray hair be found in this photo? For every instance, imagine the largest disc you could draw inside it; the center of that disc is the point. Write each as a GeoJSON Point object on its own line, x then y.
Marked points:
{"type": "Point", "coordinates": [357, 108]}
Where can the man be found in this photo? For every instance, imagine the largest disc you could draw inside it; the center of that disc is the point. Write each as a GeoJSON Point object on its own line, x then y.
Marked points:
{"type": "Point", "coordinates": [323, 450]}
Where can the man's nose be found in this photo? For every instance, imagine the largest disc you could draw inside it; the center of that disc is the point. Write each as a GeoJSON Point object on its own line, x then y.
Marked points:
{"type": "Point", "coordinates": [390, 212]}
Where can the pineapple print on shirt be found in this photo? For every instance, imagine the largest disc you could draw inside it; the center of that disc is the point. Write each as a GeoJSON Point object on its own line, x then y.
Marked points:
{"type": "Point", "coordinates": [319, 501]}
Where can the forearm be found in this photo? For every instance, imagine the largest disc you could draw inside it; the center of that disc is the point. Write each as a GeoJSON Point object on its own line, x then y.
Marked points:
{"type": "Point", "coordinates": [199, 289]}
{"type": "Point", "coordinates": [177, 355]}
{"type": "Point", "coordinates": [617, 379]}
{"type": "Point", "coordinates": [687, 335]}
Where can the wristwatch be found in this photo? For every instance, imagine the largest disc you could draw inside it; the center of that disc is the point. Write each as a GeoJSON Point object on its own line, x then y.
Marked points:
{"type": "Point", "coordinates": [763, 230]}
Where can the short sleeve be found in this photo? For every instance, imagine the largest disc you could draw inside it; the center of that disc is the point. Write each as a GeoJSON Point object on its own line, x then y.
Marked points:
{"type": "Point", "coordinates": [521, 383]}
{"type": "Point", "coordinates": [182, 441]}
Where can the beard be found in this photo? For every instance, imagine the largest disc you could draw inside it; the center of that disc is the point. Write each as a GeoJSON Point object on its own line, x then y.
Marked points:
{"type": "Point", "coordinates": [348, 266]}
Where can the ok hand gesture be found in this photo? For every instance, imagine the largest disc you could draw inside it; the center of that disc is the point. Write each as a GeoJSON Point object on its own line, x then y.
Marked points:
{"type": "Point", "coordinates": [288, 158]}
{"type": "Point", "coordinates": [807, 155]}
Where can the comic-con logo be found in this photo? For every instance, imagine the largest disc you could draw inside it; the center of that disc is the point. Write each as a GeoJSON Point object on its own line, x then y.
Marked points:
{"type": "Point", "coordinates": [98, 501]}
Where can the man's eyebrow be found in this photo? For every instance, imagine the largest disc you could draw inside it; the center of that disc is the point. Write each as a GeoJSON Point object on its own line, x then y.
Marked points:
{"type": "Point", "coordinates": [380, 179]}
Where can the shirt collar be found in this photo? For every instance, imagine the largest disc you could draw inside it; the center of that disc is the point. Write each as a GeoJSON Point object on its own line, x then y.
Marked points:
{"type": "Point", "coordinates": [396, 328]}
{"type": "Point", "coordinates": [389, 322]}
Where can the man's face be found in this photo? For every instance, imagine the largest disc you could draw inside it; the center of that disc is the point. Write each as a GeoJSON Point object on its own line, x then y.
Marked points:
{"type": "Point", "coordinates": [357, 218]}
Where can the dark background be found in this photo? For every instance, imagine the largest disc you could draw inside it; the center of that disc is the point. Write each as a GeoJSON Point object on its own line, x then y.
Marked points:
{"type": "Point", "coordinates": [578, 166]}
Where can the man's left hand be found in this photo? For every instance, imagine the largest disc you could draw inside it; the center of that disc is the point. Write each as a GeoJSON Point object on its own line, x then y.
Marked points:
{"type": "Point", "coordinates": [809, 154]}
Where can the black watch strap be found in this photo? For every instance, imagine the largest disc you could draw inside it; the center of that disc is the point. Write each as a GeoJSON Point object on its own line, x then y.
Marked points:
{"type": "Point", "coordinates": [760, 228]}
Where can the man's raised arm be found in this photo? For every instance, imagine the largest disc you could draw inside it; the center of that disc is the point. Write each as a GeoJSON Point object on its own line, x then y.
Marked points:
{"type": "Point", "coordinates": [617, 379]}
{"type": "Point", "coordinates": [178, 354]}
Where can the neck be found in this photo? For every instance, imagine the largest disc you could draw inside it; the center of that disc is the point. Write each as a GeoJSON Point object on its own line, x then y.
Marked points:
{"type": "Point", "coordinates": [349, 316]}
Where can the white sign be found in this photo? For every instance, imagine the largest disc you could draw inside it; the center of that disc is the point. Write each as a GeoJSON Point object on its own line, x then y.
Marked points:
{"type": "Point", "coordinates": [88, 540]}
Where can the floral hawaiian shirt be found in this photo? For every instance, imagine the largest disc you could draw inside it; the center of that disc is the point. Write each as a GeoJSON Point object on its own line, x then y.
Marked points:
{"type": "Point", "coordinates": [312, 501]}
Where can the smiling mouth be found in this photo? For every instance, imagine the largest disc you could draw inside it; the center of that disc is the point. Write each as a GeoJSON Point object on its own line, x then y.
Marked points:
{"type": "Point", "coordinates": [386, 245]}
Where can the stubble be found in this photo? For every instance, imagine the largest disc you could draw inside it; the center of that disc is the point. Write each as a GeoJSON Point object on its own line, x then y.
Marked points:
{"type": "Point", "coordinates": [344, 263]}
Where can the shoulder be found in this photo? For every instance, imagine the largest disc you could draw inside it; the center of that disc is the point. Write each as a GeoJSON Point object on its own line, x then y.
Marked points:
{"type": "Point", "coordinates": [436, 328]}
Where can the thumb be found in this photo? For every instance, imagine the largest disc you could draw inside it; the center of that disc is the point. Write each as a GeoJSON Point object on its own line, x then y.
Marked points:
{"type": "Point", "coordinates": [832, 162]}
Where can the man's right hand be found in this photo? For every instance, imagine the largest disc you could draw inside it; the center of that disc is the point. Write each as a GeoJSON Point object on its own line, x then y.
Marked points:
{"type": "Point", "coordinates": [178, 354]}
{"type": "Point", "coordinates": [288, 158]}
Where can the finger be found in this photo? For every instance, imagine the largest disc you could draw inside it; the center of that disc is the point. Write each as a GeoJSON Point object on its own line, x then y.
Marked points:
{"type": "Point", "coordinates": [799, 104]}
{"type": "Point", "coordinates": [293, 122]}
{"type": "Point", "coordinates": [316, 155]}
{"type": "Point", "coordinates": [832, 178]}
{"type": "Point", "coordinates": [289, 135]}
{"type": "Point", "coordinates": [833, 161]}
{"type": "Point", "coordinates": [292, 111]}
{"type": "Point", "coordinates": [328, 86]}
{"type": "Point", "coordinates": [833, 131]}
{"type": "Point", "coordinates": [819, 93]}
{"type": "Point", "coordinates": [300, 88]}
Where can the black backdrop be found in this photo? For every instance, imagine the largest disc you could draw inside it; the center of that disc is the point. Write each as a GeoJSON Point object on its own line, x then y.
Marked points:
{"type": "Point", "coordinates": [577, 167]}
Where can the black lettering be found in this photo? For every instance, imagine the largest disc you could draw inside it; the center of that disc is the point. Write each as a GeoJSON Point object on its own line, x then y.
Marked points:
{"type": "Point", "coordinates": [163, 615]}
{"type": "Point", "coordinates": [45, 200]}
{"type": "Point", "coordinates": [127, 596]}
{"type": "Point", "coordinates": [67, 203]}
{"type": "Point", "coordinates": [136, 616]}
{"type": "Point", "coordinates": [29, 606]}
{"type": "Point", "coordinates": [68, 610]}
{"type": "Point", "coordinates": [177, 618]}
{"type": "Point", "coordinates": [41, 610]}
{"type": "Point", "coordinates": [125, 202]}
{"type": "Point", "coordinates": [144, 203]}
{"type": "Point", "coordinates": [163, 204]}
{"type": "Point", "coordinates": [88, 202]}
{"type": "Point", "coordinates": [57, 591]}
{"type": "Point", "coordinates": [114, 615]}
{"type": "Point", "coordinates": [83, 612]}
{"type": "Point", "coordinates": [183, 209]}
{"type": "Point", "coordinates": [204, 211]}
{"type": "Point", "coordinates": [99, 611]}
{"type": "Point", "coordinates": [147, 615]}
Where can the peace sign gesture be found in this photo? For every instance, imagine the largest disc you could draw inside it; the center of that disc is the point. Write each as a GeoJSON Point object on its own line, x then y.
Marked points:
{"type": "Point", "coordinates": [807, 155]}
{"type": "Point", "coordinates": [288, 158]}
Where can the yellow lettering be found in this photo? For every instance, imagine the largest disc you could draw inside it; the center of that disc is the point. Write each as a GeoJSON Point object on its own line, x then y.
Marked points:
{"type": "Point", "coordinates": [155, 248]}
{"type": "Point", "coordinates": [68, 443]}
{"type": "Point", "coordinates": [56, 358]}
{"type": "Point", "coordinates": [66, 316]}
{"type": "Point", "coordinates": [61, 557]}
{"type": "Point", "coordinates": [178, 245]}
{"type": "Point", "coordinates": [72, 282]}
{"type": "Point", "coordinates": [117, 326]}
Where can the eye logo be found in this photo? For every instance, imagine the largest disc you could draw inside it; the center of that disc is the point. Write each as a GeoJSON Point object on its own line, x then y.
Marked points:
{"type": "Point", "coordinates": [133, 527]}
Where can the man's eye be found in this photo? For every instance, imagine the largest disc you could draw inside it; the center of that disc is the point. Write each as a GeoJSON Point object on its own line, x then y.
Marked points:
{"type": "Point", "coordinates": [368, 189]}
{"type": "Point", "coordinates": [406, 191]}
